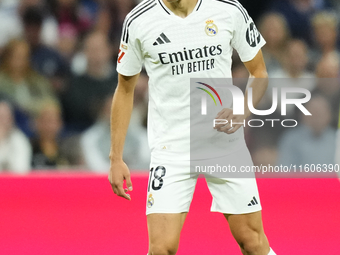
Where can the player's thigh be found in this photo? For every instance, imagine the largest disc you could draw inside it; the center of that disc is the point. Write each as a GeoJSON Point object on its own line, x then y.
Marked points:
{"type": "Point", "coordinates": [234, 196]}
{"type": "Point", "coordinates": [164, 232]}
{"type": "Point", "coordinates": [170, 188]}
{"type": "Point", "coordinates": [235, 193]}
{"type": "Point", "coordinates": [170, 191]}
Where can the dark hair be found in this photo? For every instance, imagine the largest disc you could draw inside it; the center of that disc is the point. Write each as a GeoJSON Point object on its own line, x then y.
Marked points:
{"type": "Point", "coordinates": [33, 16]}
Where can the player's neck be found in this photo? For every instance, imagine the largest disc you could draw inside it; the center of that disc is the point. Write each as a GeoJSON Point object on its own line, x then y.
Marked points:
{"type": "Point", "coordinates": [181, 8]}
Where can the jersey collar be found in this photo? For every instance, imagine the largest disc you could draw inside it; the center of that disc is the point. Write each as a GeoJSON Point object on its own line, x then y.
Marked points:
{"type": "Point", "coordinates": [169, 12]}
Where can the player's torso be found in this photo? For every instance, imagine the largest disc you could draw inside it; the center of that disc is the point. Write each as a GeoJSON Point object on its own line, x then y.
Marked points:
{"type": "Point", "coordinates": [174, 50]}
{"type": "Point", "coordinates": [195, 46]}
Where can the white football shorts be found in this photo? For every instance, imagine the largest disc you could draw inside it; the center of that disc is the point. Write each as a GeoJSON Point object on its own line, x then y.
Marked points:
{"type": "Point", "coordinates": [171, 187]}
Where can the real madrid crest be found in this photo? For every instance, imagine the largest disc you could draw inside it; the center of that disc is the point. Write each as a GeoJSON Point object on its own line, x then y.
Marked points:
{"type": "Point", "coordinates": [150, 201]}
{"type": "Point", "coordinates": [211, 29]}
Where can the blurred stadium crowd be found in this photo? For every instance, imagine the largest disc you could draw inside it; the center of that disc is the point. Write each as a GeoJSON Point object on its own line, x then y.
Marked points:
{"type": "Point", "coordinates": [57, 78]}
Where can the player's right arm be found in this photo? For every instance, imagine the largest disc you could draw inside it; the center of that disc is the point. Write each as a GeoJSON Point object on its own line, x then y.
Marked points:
{"type": "Point", "coordinates": [121, 110]}
{"type": "Point", "coordinates": [129, 65]}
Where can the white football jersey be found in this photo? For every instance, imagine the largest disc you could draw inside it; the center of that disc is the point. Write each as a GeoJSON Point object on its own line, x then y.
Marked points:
{"type": "Point", "coordinates": [175, 49]}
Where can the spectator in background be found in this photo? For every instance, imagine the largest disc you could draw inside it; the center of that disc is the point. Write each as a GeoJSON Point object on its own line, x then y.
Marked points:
{"type": "Point", "coordinates": [82, 99]}
{"type": "Point", "coordinates": [110, 20]}
{"type": "Point", "coordinates": [274, 29]}
{"type": "Point", "coordinates": [10, 26]}
{"type": "Point", "coordinates": [295, 62]}
{"type": "Point", "coordinates": [313, 141]}
{"type": "Point", "coordinates": [71, 149]}
{"type": "Point", "coordinates": [47, 142]}
{"type": "Point", "coordinates": [45, 60]}
{"type": "Point", "coordinates": [49, 27]}
{"type": "Point", "coordinates": [294, 73]}
{"type": "Point", "coordinates": [298, 14]}
{"type": "Point", "coordinates": [74, 19]}
{"type": "Point", "coordinates": [96, 142]}
{"type": "Point", "coordinates": [111, 17]}
{"type": "Point", "coordinates": [72, 14]}
{"type": "Point", "coordinates": [325, 28]}
{"type": "Point", "coordinates": [328, 84]}
{"type": "Point", "coordinates": [18, 81]}
{"type": "Point", "coordinates": [67, 42]}
{"type": "Point", "coordinates": [15, 150]}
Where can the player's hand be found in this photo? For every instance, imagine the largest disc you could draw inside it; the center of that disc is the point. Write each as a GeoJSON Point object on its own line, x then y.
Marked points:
{"type": "Point", "coordinates": [118, 173]}
{"type": "Point", "coordinates": [227, 114]}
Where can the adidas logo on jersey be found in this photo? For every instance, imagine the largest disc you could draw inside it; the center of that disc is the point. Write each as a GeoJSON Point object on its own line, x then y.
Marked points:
{"type": "Point", "coordinates": [161, 40]}
{"type": "Point", "coordinates": [253, 202]}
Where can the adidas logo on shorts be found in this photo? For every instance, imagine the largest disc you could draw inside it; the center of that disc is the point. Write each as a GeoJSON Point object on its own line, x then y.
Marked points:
{"type": "Point", "coordinates": [253, 202]}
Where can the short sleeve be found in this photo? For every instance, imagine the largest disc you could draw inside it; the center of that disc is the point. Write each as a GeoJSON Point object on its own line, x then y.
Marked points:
{"type": "Point", "coordinates": [130, 57]}
{"type": "Point", "coordinates": [247, 40]}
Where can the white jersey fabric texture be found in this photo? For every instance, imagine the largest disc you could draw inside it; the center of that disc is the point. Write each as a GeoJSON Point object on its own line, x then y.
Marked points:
{"type": "Point", "coordinates": [175, 49]}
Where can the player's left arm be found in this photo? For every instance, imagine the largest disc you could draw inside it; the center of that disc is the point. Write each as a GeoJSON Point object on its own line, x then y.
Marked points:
{"type": "Point", "coordinates": [258, 82]}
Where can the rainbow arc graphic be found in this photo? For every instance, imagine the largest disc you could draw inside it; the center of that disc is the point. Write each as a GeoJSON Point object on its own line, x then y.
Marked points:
{"type": "Point", "coordinates": [209, 93]}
